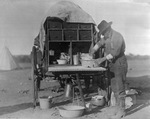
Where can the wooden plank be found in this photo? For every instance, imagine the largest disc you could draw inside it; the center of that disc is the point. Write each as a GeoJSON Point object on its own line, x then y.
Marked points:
{"type": "Point", "coordinates": [59, 68]}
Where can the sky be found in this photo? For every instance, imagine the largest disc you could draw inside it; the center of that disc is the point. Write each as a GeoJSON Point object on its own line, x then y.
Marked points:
{"type": "Point", "coordinates": [20, 21]}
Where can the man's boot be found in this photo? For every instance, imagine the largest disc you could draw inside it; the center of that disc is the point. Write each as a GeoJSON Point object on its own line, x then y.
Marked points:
{"type": "Point", "coordinates": [122, 105]}
{"type": "Point", "coordinates": [122, 102]}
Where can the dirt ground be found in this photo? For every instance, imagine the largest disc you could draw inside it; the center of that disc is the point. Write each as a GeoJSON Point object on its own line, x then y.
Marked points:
{"type": "Point", "coordinates": [16, 96]}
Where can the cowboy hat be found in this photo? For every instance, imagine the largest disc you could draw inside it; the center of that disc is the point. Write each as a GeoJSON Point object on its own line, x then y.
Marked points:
{"type": "Point", "coordinates": [103, 26]}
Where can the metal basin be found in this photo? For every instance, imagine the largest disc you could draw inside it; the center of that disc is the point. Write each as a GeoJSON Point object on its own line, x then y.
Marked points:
{"type": "Point", "coordinates": [71, 111]}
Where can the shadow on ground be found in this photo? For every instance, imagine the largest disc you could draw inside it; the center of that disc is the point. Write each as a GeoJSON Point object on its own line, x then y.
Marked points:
{"type": "Point", "coordinates": [15, 108]}
{"type": "Point", "coordinates": [141, 84]}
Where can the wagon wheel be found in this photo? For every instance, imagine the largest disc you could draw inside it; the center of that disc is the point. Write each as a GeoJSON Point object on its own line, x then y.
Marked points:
{"type": "Point", "coordinates": [34, 77]}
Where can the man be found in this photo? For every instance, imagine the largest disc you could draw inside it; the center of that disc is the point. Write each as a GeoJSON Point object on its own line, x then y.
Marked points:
{"type": "Point", "coordinates": [38, 62]}
{"type": "Point", "coordinates": [114, 48]}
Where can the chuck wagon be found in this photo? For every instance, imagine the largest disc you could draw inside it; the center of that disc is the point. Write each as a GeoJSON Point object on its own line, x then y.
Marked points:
{"type": "Point", "coordinates": [65, 29]}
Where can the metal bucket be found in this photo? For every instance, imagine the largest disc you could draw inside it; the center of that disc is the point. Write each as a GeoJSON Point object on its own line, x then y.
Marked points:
{"type": "Point", "coordinates": [45, 102]}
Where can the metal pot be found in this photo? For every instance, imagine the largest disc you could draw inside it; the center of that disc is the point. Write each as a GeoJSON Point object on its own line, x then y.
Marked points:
{"type": "Point", "coordinates": [98, 100]}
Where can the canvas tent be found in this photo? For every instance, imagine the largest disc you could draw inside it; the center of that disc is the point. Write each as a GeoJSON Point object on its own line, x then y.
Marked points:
{"type": "Point", "coordinates": [7, 61]}
{"type": "Point", "coordinates": [66, 11]}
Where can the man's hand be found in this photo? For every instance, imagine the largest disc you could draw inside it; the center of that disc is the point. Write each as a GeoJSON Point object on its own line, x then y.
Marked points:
{"type": "Point", "coordinates": [92, 52]}
{"type": "Point", "coordinates": [109, 57]}
{"type": "Point", "coordinates": [100, 60]}
{"type": "Point", "coordinates": [94, 49]}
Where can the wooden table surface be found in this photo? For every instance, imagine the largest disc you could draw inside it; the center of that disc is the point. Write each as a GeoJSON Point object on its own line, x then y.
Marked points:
{"type": "Point", "coordinates": [71, 68]}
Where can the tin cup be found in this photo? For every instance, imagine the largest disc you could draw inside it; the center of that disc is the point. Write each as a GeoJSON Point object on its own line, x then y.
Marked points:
{"type": "Point", "coordinates": [76, 59]}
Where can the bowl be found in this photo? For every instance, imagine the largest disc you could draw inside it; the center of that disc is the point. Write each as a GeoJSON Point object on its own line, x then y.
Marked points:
{"type": "Point", "coordinates": [62, 61]}
{"type": "Point", "coordinates": [71, 111]}
{"type": "Point", "coordinates": [89, 63]}
{"type": "Point", "coordinates": [98, 100]}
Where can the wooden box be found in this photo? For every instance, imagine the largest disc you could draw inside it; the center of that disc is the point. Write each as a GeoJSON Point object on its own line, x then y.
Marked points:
{"type": "Point", "coordinates": [55, 35]}
{"type": "Point", "coordinates": [70, 34]}
{"type": "Point", "coordinates": [85, 35]}
{"type": "Point", "coordinates": [70, 25]}
{"type": "Point", "coordinates": [85, 26]}
{"type": "Point", "coordinates": [52, 25]}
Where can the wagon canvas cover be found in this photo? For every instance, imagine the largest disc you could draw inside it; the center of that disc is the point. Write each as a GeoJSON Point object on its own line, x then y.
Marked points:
{"type": "Point", "coordinates": [68, 12]}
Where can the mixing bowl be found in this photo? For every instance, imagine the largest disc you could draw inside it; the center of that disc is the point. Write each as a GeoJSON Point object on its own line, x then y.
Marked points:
{"type": "Point", "coordinates": [62, 61]}
{"type": "Point", "coordinates": [71, 111]}
{"type": "Point", "coordinates": [89, 63]}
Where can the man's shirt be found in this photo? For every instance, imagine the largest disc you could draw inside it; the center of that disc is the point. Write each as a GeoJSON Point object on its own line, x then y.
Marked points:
{"type": "Point", "coordinates": [113, 45]}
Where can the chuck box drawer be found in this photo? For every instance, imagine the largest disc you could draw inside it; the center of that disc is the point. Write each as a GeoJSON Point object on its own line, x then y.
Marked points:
{"type": "Point", "coordinates": [70, 34]}
{"type": "Point", "coordinates": [85, 35]}
{"type": "Point", "coordinates": [55, 35]}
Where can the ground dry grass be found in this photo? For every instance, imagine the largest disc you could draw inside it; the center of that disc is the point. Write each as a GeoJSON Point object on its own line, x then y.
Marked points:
{"type": "Point", "coordinates": [16, 94]}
